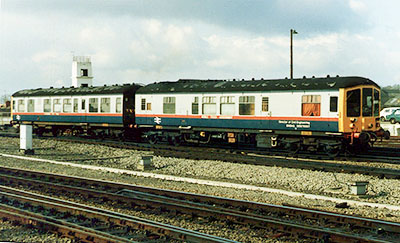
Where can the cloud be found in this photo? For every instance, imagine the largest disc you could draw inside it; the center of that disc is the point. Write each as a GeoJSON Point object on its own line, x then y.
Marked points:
{"type": "Point", "coordinates": [357, 5]}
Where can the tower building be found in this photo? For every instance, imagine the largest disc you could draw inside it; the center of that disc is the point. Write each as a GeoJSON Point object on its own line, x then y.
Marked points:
{"type": "Point", "coordinates": [81, 71]}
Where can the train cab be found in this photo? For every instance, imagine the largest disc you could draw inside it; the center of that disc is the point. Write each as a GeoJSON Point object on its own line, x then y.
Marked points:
{"type": "Point", "coordinates": [359, 113]}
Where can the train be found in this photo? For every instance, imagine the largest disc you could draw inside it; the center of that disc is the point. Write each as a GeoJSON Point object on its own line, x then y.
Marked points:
{"type": "Point", "coordinates": [333, 114]}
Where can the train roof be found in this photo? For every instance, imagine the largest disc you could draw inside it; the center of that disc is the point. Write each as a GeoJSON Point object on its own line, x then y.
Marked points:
{"type": "Point", "coordinates": [92, 90]}
{"type": "Point", "coordinates": [193, 85]}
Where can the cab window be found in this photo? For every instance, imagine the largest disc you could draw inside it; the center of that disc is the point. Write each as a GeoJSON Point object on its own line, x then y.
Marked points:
{"type": "Point", "coordinates": [367, 102]}
{"type": "Point", "coordinates": [376, 102]}
{"type": "Point", "coordinates": [353, 98]}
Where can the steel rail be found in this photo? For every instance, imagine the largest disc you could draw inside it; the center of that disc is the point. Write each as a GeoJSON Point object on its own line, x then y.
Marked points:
{"type": "Point", "coordinates": [172, 200]}
{"type": "Point", "coordinates": [112, 218]}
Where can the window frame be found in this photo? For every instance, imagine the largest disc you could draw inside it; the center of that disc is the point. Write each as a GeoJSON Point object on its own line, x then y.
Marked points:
{"type": "Point", "coordinates": [106, 104]}
{"type": "Point", "coordinates": [247, 105]}
{"type": "Point", "coordinates": [92, 108]}
{"type": "Point", "coordinates": [169, 105]}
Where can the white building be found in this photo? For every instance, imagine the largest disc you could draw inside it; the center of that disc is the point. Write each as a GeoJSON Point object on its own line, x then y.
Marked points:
{"type": "Point", "coordinates": [81, 71]}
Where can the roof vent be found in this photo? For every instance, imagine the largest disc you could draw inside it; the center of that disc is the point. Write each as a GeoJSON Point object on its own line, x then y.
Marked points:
{"type": "Point", "coordinates": [328, 76]}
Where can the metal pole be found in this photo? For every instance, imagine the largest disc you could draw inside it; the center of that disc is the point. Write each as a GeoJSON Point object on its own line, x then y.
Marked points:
{"type": "Point", "coordinates": [292, 32]}
{"type": "Point", "coordinates": [291, 53]}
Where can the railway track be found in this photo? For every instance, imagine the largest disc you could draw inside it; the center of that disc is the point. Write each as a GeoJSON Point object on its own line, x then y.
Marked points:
{"type": "Point", "coordinates": [278, 158]}
{"type": "Point", "coordinates": [296, 222]}
{"type": "Point", "coordinates": [89, 224]}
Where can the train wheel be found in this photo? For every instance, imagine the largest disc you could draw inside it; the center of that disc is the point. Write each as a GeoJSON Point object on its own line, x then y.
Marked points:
{"type": "Point", "coordinates": [332, 150]}
{"type": "Point", "coordinates": [294, 148]}
{"type": "Point", "coordinates": [176, 141]}
{"type": "Point", "coordinates": [153, 139]}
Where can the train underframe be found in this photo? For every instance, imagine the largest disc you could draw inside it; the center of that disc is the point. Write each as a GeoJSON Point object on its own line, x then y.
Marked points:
{"type": "Point", "coordinates": [332, 144]}
{"type": "Point", "coordinates": [292, 141]}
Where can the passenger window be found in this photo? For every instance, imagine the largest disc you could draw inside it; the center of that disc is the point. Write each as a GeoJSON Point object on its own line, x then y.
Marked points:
{"type": "Point", "coordinates": [209, 105]}
{"type": "Point", "coordinates": [333, 104]}
{"type": "Point", "coordinates": [228, 105]}
{"type": "Point", "coordinates": [47, 105]}
{"type": "Point", "coordinates": [31, 105]}
{"type": "Point", "coordinates": [367, 102]}
{"type": "Point", "coordinates": [94, 105]}
{"type": "Point", "coordinates": [311, 105]}
{"type": "Point", "coordinates": [21, 105]}
{"type": "Point", "coordinates": [118, 107]}
{"type": "Point", "coordinates": [265, 104]}
{"type": "Point", "coordinates": [143, 104]}
{"type": "Point", "coordinates": [148, 106]}
{"type": "Point", "coordinates": [67, 107]}
{"type": "Point", "coordinates": [105, 105]}
{"type": "Point", "coordinates": [195, 106]}
{"type": "Point", "coordinates": [353, 99]}
{"type": "Point", "coordinates": [169, 105]}
{"type": "Point", "coordinates": [246, 105]}
{"type": "Point", "coordinates": [56, 105]}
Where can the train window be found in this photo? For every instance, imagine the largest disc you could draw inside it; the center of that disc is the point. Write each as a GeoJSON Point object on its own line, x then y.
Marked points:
{"type": "Point", "coordinates": [376, 102]}
{"type": "Point", "coordinates": [31, 105]}
{"type": "Point", "coordinates": [264, 103]}
{"type": "Point", "coordinates": [76, 105]}
{"type": "Point", "coordinates": [21, 105]}
{"type": "Point", "coordinates": [13, 105]}
{"type": "Point", "coordinates": [143, 104]}
{"type": "Point", "coordinates": [195, 106]}
{"type": "Point", "coordinates": [311, 105]}
{"type": "Point", "coordinates": [353, 98]}
{"type": "Point", "coordinates": [148, 106]}
{"type": "Point", "coordinates": [367, 102]}
{"type": "Point", "coordinates": [93, 104]}
{"type": "Point", "coordinates": [227, 105]}
{"type": "Point", "coordinates": [209, 105]}
{"type": "Point", "coordinates": [333, 104]}
{"type": "Point", "coordinates": [169, 105]}
{"type": "Point", "coordinates": [47, 105]}
{"type": "Point", "coordinates": [246, 105]}
{"type": "Point", "coordinates": [56, 105]}
{"type": "Point", "coordinates": [105, 105]}
{"type": "Point", "coordinates": [118, 107]}
{"type": "Point", "coordinates": [83, 105]}
{"type": "Point", "coordinates": [67, 106]}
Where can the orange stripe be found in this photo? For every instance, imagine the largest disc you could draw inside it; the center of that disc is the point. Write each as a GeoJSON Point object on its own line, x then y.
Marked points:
{"type": "Point", "coordinates": [241, 117]}
{"type": "Point", "coordinates": [66, 114]}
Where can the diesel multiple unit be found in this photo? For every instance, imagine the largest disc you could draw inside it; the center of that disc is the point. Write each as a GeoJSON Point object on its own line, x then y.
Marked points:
{"type": "Point", "coordinates": [332, 113]}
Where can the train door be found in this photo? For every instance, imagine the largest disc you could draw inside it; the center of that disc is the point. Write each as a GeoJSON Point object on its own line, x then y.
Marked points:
{"type": "Point", "coordinates": [128, 105]}
{"type": "Point", "coordinates": [265, 112]}
{"type": "Point", "coordinates": [82, 109]}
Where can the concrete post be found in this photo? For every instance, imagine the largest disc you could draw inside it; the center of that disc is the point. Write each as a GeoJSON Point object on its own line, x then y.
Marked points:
{"type": "Point", "coordinates": [25, 135]}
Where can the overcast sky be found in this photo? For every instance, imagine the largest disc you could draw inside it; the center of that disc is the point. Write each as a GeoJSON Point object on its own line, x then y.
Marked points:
{"type": "Point", "coordinates": [144, 41]}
